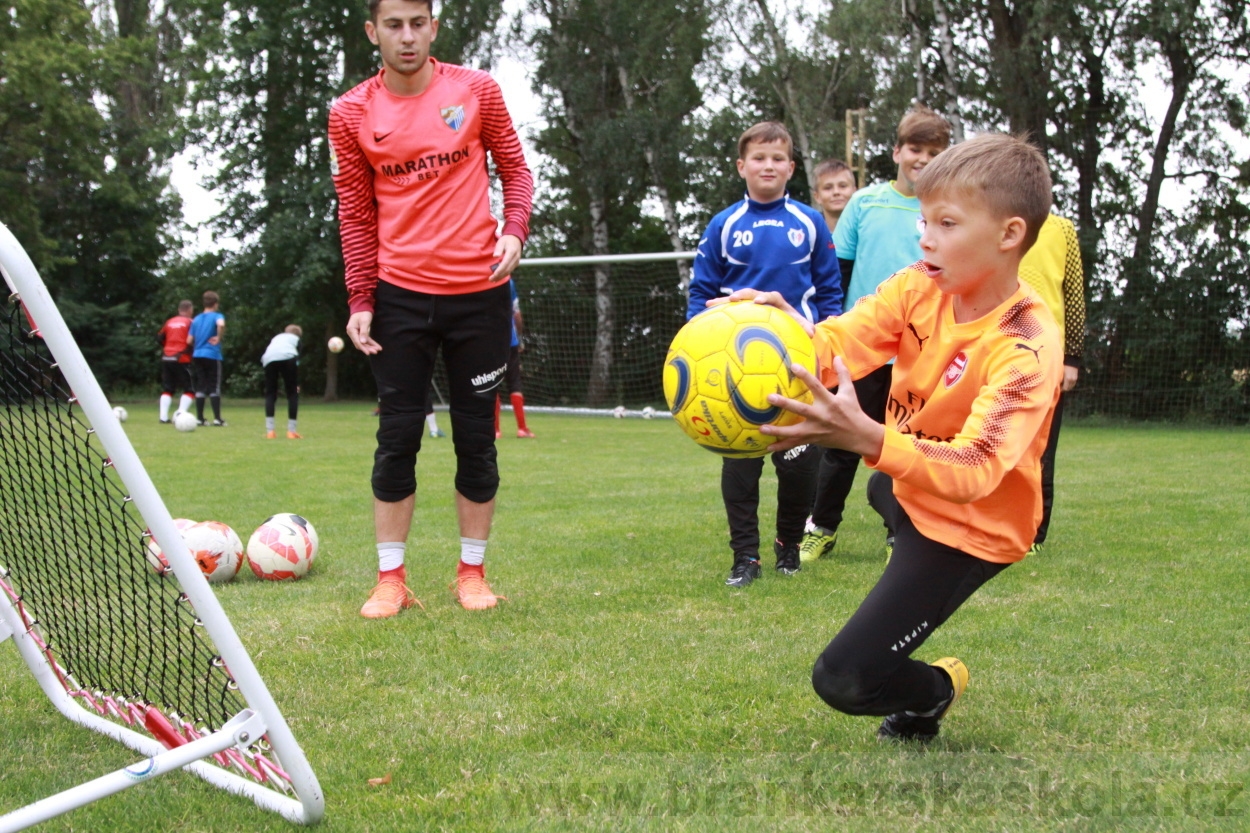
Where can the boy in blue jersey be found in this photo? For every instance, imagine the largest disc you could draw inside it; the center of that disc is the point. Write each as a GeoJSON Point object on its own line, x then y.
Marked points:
{"type": "Point", "coordinates": [876, 236]}
{"type": "Point", "coordinates": [768, 242]}
{"type": "Point", "coordinates": [206, 330]}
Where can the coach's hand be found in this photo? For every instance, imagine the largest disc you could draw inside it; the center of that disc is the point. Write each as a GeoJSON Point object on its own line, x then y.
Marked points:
{"type": "Point", "coordinates": [772, 299]}
{"type": "Point", "coordinates": [358, 331]}
{"type": "Point", "coordinates": [832, 420]}
{"type": "Point", "coordinates": [508, 249]}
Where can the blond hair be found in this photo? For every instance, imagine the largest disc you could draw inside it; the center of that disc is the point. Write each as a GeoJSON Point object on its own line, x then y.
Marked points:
{"type": "Point", "coordinates": [295, 329]}
{"type": "Point", "coordinates": [765, 132]}
{"type": "Point", "coordinates": [1006, 173]}
{"type": "Point", "coordinates": [923, 126]}
{"type": "Point", "coordinates": [830, 167]}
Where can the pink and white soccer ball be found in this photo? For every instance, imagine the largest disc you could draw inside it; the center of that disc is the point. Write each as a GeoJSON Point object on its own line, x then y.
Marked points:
{"type": "Point", "coordinates": [155, 555]}
{"type": "Point", "coordinates": [283, 547]}
{"type": "Point", "coordinates": [216, 548]}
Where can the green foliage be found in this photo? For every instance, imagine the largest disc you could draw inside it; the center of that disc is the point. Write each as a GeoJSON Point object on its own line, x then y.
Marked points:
{"type": "Point", "coordinates": [622, 686]}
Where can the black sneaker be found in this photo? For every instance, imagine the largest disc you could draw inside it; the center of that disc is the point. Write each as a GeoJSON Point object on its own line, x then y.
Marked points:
{"type": "Point", "coordinates": [907, 726]}
{"type": "Point", "coordinates": [924, 727]}
{"type": "Point", "coordinates": [787, 558]}
{"type": "Point", "coordinates": [166, 421]}
{"type": "Point", "coordinates": [219, 423]}
{"type": "Point", "coordinates": [745, 571]}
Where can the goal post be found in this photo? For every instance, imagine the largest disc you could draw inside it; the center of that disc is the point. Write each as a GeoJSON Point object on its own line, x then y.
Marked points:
{"type": "Point", "coordinates": [149, 660]}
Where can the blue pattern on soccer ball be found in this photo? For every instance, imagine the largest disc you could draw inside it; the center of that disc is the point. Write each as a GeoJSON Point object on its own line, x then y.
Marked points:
{"type": "Point", "coordinates": [682, 366]}
{"type": "Point", "coordinates": [757, 416]}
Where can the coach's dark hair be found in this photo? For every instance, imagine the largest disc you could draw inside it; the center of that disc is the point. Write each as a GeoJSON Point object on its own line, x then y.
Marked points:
{"type": "Point", "coordinates": [765, 131]}
{"type": "Point", "coordinates": [1006, 173]}
{"type": "Point", "coordinates": [211, 299]}
{"type": "Point", "coordinates": [373, 7]}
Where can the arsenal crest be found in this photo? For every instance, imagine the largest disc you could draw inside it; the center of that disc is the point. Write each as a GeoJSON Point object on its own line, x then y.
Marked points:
{"type": "Point", "coordinates": [453, 116]}
{"type": "Point", "coordinates": [955, 370]}
{"type": "Point", "coordinates": [796, 237]}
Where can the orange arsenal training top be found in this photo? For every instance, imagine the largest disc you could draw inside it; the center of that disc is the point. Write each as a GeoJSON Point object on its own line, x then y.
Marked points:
{"type": "Point", "coordinates": [970, 405]}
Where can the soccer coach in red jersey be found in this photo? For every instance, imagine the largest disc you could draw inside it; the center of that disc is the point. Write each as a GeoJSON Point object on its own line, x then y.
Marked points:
{"type": "Point", "coordinates": [426, 267]}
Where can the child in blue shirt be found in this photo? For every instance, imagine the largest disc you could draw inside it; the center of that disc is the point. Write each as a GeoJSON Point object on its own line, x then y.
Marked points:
{"type": "Point", "coordinates": [206, 332]}
{"type": "Point", "coordinates": [768, 242]}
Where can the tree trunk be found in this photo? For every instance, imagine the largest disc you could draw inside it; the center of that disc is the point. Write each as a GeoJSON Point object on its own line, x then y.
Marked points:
{"type": "Point", "coordinates": [947, 48]}
{"type": "Point", "coordinates": [332, 368]}
{"type": "Point", "coordinates": [1181, 63]}
{"type": "Point", "coordinates": [1090, 151]}
{"type": "Point", "coordinates": [1016, 55]}
{"type": "Point", "coordinates": [601, 362]}
{"type": "Point", "coordinates": [666, 202]}
{"type": "Point", "coordinates": [784, 88]}
{"type": "Point", "coordinates": [917, 48]}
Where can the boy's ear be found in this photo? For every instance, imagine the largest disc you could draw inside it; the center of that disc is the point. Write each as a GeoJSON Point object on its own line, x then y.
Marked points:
{"type": "Point", "coordinates": [1014, 230]}
{"type": "Point", "coordinates": [741, 165]}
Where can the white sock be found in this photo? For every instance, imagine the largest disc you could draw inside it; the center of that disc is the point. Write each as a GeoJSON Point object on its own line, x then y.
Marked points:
{"type": "Point", "coordinates": [290, 425]}
{"type": "Point", "coordinates": [166, 401]}
{"type": "Point", "coordinates": [390, 555]}
{"type": "Point", "coordinates": [268, 423]}
{"type": "Point", "coordinates": [184, 404]}
{"type": "Point", "coordinates": [472, 551]}
{"type": "Point", "coordinates": [431, 421]}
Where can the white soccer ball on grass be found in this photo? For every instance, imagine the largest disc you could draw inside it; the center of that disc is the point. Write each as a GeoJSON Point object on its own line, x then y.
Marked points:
{"type": "Point", "coordinates": [155, 555]}
{"type": "Point", "coordinates": [283, 547]}
{"type": "Point", "coordinates": [120, 413]}
{"type": "Point", "coordinates": [216, 548]}
{"type": "Point", "coordinates": [185, 421]}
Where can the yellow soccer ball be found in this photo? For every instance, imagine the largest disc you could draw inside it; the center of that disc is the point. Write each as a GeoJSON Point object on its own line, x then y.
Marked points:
{"type": "Point", "coordinates": [722, 366]}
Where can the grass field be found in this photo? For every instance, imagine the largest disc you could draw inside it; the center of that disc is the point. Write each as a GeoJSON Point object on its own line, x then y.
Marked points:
{"type": "Point", "coordinates": [622, 686]}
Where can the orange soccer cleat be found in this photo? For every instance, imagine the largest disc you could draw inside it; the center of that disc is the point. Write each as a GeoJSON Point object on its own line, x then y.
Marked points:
{"type": "Point", "coordinates": [472, 590]}
{"type": "Point", "coordinates": [388, 598]}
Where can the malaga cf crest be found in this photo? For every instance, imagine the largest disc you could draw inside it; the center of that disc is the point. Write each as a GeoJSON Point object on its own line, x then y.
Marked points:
{"type": "Point", "coordinates": [454, 116]}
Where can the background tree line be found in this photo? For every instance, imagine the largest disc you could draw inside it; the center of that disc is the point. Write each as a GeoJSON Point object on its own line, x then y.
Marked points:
{"type": "Point", "coordinates": [1140, 106]}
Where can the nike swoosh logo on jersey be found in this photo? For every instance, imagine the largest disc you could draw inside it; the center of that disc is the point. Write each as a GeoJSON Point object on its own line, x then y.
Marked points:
{"type": "Point", "coordinates": [378, 137]}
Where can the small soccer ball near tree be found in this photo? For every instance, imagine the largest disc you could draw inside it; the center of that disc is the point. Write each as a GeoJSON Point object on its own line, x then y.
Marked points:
{"type": "Point", "coordinates": [722, 366]}
{"type": "Point", "coordinates": [283, 547]}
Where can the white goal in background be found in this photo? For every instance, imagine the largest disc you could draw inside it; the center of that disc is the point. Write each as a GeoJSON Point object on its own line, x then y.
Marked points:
{"type": "Point", "coordinates": [151, 661]}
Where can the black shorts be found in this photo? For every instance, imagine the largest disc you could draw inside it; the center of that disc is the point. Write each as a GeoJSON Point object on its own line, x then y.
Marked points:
{"type": "Point", "coordinates": [207, 376]}
{"type": "Point", "coordinates": [175, 377]}
{"type": "Point", "coordinates": [474, 331]}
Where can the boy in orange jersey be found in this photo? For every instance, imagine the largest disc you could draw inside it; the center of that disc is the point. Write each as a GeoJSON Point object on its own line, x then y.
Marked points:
{"type": "Point", "coordinates": [957, 463]}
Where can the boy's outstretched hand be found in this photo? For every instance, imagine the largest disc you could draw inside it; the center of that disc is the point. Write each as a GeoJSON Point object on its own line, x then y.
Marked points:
{"type": "Point", "coordinates": [833, 420]}
{"type": "Point", "coordinates": [772, 299]}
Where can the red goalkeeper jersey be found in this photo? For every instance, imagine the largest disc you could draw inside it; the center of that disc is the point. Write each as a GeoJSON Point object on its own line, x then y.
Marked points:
{"type": "Point", "coordinates": [414, 188]}
{"type": "Point", "coordinates": [173, 338]}
{"type": "Point", "coordinates": [970, 406]}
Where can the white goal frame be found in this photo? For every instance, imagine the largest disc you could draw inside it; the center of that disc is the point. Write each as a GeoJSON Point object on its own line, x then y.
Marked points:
{"type": "Point", "coordinates": [295, 793]}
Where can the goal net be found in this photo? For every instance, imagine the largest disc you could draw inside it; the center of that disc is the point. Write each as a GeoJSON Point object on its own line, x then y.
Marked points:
{"type": "Point", "coordinates": [150, 660]}
{"type": "Point", "coordinates": [597, 329]}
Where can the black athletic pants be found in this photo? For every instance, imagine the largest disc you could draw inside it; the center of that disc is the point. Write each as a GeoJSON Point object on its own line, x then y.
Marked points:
{"type": "Point", "coordinates": [740, 489]}
{"type": "Point", "coordinates": [1048, 472]}
{"type": "Point", "coordinates": [207, 383]}
{"type": "Point", "coordinates": [867, 668]}
{"type": "Point", "coordinates": [288, 369]}
{"type": "Point", "coordinates": [475, 334]}
{"type": "Point", "coordinates": [175, 377]}
{"type": "Point", "coordinates": [837, 466]}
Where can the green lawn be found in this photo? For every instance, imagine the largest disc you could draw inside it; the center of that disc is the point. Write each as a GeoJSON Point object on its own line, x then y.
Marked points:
{"type": "Point", "coordinates": [623, 686]}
